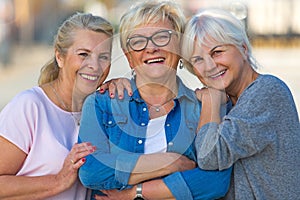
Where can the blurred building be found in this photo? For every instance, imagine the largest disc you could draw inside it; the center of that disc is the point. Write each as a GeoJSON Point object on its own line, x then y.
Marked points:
{"type": "Point", "coordinates": [37, 20]}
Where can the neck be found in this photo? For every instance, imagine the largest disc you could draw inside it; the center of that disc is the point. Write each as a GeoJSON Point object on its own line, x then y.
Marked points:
{"type": "Point", "coordinates": [157, 94]}
{"type": "Point", "coordinates": [65, 97]}
{"type": "Point", "coordinates": [241, 86]}
{"type": "Point", "coordinates": [159, 99]}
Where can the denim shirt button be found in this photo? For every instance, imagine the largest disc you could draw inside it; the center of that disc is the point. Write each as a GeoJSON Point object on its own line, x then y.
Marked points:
{"type": "Point", "coordinates": [109, 122]}
{"type": "Point", "coordinates": [144, 109]}
{"type": "Point", "coordinates": [168, 124]}
{"type": "Point", "coordinates": [170, 143]}
{"type": "Point", "coordinates": [143, 124]}
{"type": "Point", "coordinates": [140, 141]}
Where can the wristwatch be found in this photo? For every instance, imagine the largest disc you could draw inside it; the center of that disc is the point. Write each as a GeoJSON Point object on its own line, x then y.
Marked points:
{"type": "Point", "coordinates": [139, 195]}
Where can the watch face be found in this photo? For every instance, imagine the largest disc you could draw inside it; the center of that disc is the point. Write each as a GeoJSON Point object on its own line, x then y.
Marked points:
{"type": "Point", "coordinates": [138, 198]}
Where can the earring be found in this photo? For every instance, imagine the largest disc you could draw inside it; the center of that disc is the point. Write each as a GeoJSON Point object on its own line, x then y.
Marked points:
{"type": "Point", "coordinates": [180, 63]}
{"type": "Point", "coordinates": [132, 73]}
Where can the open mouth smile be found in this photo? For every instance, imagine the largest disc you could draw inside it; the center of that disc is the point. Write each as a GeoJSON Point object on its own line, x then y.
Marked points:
{"type": "Point", "coordinates": [89, 77]}
{"type": "Point", "coordinates": [155, 60]}
{"type": "Point", "coordinates": [218, 74]}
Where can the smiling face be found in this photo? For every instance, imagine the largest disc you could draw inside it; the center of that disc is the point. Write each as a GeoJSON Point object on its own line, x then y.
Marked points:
{"type": "Point", "coordinates": [222, 66]}
{"type": "Point", "coordinates": [154, 61]}
{"type": "Point", "coordinates": [87, 62]}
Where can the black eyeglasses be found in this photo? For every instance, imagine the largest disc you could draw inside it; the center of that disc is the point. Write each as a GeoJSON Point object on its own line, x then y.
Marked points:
{"type": "Point", "coordinates": [160, 39]}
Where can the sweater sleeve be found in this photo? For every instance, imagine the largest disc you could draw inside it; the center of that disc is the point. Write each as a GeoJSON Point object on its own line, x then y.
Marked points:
{"type": "Point", "coordinates": [248, 128]}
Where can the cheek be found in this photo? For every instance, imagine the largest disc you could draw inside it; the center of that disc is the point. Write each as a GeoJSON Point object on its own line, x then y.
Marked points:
{"type": "Point", "coordinates": [199, 75]}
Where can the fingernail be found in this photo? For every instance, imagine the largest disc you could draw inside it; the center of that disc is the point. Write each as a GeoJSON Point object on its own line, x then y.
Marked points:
{"type": "Point", "coordinates": [83, 159]}
{"type": "Point", "coordinates": [101, 90]}
{"type": "Point", "coordinates": [111, 94]}
{"type": "Point", "coordinates": [130, 93]}
{"type": "Point", "coordinates": [93, 149]}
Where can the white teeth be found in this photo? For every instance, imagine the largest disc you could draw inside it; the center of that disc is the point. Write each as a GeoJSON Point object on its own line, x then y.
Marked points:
{"type": "Point", "coordinates": [155, 60]}
{"type": "Point", "coordinates": [91, 78]}
{"type": "Point", "coordinates": [218, 74]}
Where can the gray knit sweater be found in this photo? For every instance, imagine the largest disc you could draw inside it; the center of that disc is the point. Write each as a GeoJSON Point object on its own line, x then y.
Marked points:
{"type": "Point", "coordinates": [261, 137]}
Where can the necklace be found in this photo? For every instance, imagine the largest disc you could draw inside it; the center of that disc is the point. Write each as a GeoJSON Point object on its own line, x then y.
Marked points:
{"type": "Point", "coordinates": [158, 107]}
{"type": "Point", "coordinates": [76, 119]}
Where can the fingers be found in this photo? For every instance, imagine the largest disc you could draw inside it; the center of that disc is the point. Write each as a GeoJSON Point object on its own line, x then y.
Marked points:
{"type": "Point", "coordinates": [112, 88]}
{"type": "Point", "coordinates": [104, 87]}
{"type": "Point", "coordinates": [78, 152]}
{"type": "Point", "coordinates": [77, 164]}
{"type": "Point", "coordinates": [117, 86]}
{"type": "Point", "coordinates": [126, 84]}
{"type": "Point", "coordinates": [200, 92]}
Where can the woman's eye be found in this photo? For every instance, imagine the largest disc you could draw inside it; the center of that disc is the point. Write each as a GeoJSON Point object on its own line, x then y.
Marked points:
{"type": "Point", "coordinates": [83, 54]}
{"type": "Point", "coordinates": [196, 60]}
{"type": "Point", "coordinates": [216, 53]}
{"type": "Point", "coordinates": [105, 57]}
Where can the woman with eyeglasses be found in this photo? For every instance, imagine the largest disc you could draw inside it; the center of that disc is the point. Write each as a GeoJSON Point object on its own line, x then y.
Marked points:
{"type": "Point", "coordinates": [145, 142]}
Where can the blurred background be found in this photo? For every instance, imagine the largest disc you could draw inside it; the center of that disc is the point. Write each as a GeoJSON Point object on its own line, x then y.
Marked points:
{"type": "Point", "coordinates": [27, 28]}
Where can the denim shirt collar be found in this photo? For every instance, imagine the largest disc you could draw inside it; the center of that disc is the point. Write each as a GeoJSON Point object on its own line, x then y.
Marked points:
{"type": "Point", "coordinates": [183, 91]}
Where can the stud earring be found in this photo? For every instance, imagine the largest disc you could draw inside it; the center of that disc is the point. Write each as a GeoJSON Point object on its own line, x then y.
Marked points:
{"type": "Point", "coordinates": [180, 63]}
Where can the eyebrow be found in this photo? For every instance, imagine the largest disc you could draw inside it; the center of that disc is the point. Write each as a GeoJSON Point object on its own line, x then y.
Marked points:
{"type": "Point", "coordinates": [142, 34]}
{"type": "Point", "coordinates": [216, 47]}
{"type": "Point", "coordinates": [82, 49]}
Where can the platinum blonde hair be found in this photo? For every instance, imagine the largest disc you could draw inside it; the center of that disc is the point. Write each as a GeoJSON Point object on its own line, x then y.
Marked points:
{"type": "Point", "coordinates": [215, 25]}
{"type": "Point", "coordinates": [64, 39]}
{"type": "Point", "coordinates": [150, 12]}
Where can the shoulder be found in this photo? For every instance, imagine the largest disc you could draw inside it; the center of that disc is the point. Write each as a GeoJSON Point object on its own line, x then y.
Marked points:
{"type": "Point", "coordinates": [268, 85]}
{"type": "Point", "coordinates": [27, 98]}
{"type": "Point", "coordinates": [271, 82]}
{"type": "Point", "coordinates": [97, 98]}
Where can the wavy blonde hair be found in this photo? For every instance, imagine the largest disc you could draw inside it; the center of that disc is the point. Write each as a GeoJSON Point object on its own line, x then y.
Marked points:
{"type": "Point", "coordinates": [64, 39]}
{"type": "Point", "coordinates": [150, 11]}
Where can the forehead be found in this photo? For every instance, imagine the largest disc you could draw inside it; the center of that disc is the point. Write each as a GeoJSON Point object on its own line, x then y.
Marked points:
{"type": "Point", "coordinates": [150, 28]}
{"type": "Point", "coordinates": [88, 39]}
{"type": "Point", "coordinates": [206, 44]}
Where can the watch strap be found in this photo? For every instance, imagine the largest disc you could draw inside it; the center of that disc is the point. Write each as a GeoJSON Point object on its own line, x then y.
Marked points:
{"type": "Point", "coordinates": [139, 194]}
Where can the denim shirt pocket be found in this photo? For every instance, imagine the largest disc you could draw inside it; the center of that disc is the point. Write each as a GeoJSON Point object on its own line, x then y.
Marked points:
{"type": "Point", "coordinates": [112, 123]}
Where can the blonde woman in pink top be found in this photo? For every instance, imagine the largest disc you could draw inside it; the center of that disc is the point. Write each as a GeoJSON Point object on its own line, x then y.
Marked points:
{"type": "Point", "coordinates": [39, 157]}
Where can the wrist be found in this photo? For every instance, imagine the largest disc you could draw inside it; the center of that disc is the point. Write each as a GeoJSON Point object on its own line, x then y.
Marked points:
{"type": "Point", "coordinates": [139, 192]}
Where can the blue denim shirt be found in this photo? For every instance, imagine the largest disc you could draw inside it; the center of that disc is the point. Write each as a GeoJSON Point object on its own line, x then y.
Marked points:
{"type": "Point", "coordinates": [118, 129]}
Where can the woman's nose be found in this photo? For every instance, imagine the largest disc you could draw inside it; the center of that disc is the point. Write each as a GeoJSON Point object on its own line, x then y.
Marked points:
{"type": "Point", "coordinates": [93, 63]}
{"type": "Point", "coordinates": [210, 63]}
{"type": "Point", "coordinates": [151, 46]}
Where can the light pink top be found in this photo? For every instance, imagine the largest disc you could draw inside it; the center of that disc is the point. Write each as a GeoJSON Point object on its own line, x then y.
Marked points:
{"type": "Point", "coordinates": [44, 132]}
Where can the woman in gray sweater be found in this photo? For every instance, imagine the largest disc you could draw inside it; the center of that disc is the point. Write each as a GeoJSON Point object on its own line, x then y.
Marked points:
{"type": "Point", "coordinates": [260, 135]}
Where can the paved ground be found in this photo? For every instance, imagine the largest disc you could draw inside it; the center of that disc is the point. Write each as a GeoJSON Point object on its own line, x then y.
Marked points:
{"type": "Point", "coordinates": [27, 61]}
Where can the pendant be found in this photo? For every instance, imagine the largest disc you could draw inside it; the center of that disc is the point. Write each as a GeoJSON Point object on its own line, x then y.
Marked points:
{"type": "Point", "coordinates": [157, 109]}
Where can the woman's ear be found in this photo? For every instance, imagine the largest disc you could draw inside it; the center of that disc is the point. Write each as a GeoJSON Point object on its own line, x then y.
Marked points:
{"type": "Point", "coordinates": [128, 56]}
{"type": "Point", "coordinates": [245, 51]}
{"type": "Point", "coordinates": [59, 59]}
{"type": "Point", "coordinates": [245, 48]}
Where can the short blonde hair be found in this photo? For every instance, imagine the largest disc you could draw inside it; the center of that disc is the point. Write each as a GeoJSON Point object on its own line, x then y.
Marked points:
{"type": "Point", "coordinates": [215, 25]}
{"type": "Point", "coordinates": [64, 39]}
{"type": "Point", "coordinates": [150, 11]}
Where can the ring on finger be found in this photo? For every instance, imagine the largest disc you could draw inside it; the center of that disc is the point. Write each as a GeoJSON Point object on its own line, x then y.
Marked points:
{"type": "Point", "coordinates": [72, 161]}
